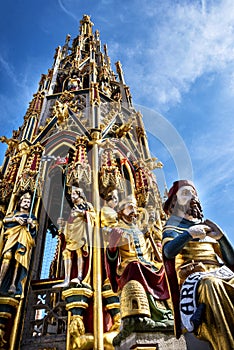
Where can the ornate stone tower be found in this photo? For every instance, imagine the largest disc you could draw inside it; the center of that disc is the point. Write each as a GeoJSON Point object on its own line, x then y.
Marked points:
{"type": "Point", "coordinates": [80, 135]}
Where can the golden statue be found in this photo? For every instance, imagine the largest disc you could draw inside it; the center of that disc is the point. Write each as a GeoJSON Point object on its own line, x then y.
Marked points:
{"type": "Point", "coordinates": [130, 258]}
{"type": "Point", "coordinates": [19, 233]}
{"type": "Point", "coordinates": [195, 252]}
{"type": "Point", "coordinates": [77, 232]}
{"type": "Point", "coordinates": [109, 219]}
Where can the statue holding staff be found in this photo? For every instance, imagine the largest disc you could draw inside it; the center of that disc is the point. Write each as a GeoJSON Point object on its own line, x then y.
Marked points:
{"type": "Point", "coordinates": [20, 228]}
{"type": "Point", "coordinates": [77, 231]}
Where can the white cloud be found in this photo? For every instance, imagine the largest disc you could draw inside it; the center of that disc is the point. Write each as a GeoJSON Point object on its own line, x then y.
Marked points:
{"type": "Point", "coordinates": [65, 7]}
{"type": "Point", "coordinates": [213, 157]}
{"type": "Point", "coordinates": [190, 39]}
{"type": "Point", "coordinates": [13, 106]}
{"type": "Point", "coordinates": [9, 70]}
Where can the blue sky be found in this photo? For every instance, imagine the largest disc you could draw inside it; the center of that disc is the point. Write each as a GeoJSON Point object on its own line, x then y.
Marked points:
{"type": "Point", "coordinates": [178, 59]}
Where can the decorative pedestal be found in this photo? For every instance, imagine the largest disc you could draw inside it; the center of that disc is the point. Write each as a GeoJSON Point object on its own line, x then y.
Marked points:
{"type": "Point", "coordinates": [152, 341]}
{"type": "Point", "coordinates": [77, 301]}
{"type": "Point", "coordinates": [112, 306]}
{"type": "Point", "coordinates": [8, 309]}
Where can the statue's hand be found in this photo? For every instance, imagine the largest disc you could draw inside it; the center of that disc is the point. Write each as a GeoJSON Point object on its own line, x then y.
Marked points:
{"type": "Point", "coordinates": [215, 231]}
{"type": "Point", "coordinates": [30, 222]}
{"type": "Point", "coordinates": [199, 231]}
{"type": "Point", "coordinates": [20, 220]}
{"type": "Point", "coordinates": [78, 210]}
{"type": "Point", "coordinates": [115, 236]}
{"type": "Point", "coordinates": [60, 222]}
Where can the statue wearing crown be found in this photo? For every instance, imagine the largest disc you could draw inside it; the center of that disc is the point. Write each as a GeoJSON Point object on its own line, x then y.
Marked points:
{"type": "Point", "coordinates": [19, 232]}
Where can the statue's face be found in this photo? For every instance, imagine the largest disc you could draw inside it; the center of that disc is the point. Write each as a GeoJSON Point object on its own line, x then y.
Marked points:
{"type": "Point", "coordinates": [129, 213]}
{"type": "Point", "coordinates": [25, 203]}
{"type": "Point", "coordinates": [152, 215]}
{"type": "Point", "coordinates": [188, 203]}
{"type": "Point", "coordinates": [76, 196]}
{"type": "Point", "coordinates": [114, 200]}
{"type": "Point", "coordinates": [185, 194]}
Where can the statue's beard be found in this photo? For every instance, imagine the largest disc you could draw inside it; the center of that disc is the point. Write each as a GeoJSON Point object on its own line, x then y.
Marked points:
{"type": "Point", "coordinates": [25, 207]}
{"type": "Point", "coordinates": [131, 218]}
{"type": "Point", "coordinates": [192, 208]}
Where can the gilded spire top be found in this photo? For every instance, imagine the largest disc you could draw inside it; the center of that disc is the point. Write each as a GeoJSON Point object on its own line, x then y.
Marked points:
{"type": "Point", "coordinates": [86, 26]}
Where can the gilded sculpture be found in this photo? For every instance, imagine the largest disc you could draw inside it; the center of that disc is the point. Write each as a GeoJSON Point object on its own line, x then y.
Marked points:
{"type": "Point", "coordinates": [77, 231]}
{"type": "Point", "coordinates": [133, 272]}
{"type": "Point", "coordinates": [20, 228]}
{"type": "Point", "coordinates": [199, 260]}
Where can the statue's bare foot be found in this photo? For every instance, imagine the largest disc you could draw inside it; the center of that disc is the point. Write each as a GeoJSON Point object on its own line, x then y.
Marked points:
{"type": "Point", "coordinates": [12, 289]}
{"type": "Point", "coordinates": [76, 280]}
{"type": "Point", "coordinates": [64, 284]}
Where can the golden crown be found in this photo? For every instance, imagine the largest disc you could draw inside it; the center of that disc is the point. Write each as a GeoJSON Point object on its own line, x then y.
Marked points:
{"type": "Point", "coordinates": [26, 195]}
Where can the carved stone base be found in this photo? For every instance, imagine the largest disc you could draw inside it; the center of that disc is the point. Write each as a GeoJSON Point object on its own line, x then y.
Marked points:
{"type": "Point", "coordinates": [152, 341]}
{"type": "Point", "coordinates": [8, 309]}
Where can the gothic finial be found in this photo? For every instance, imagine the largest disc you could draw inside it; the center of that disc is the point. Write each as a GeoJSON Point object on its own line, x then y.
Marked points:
{"type": "Point", "coordinates": [86, 25]}
{"type": "Point", "coordinates": [66, 46]}
{"type": "Point", "coordinates": [68, 37]}
{"type": "Point", "coordinates": [120, 71]}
